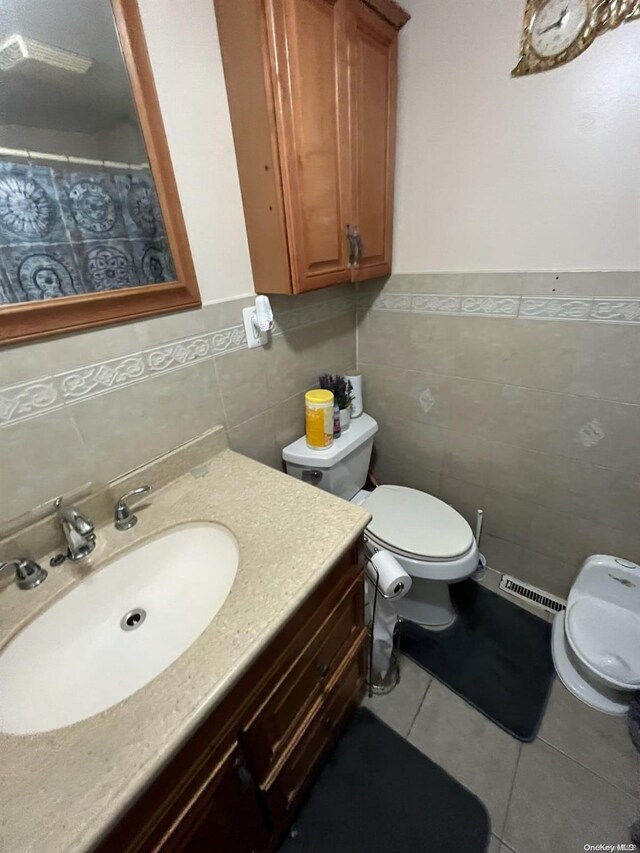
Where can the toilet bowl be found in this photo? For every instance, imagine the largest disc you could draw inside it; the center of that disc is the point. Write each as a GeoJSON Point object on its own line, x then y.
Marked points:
{"type": "Point", "coordinates": [431, 541]}
{"type": "Point", "coordinates": [596, 641]}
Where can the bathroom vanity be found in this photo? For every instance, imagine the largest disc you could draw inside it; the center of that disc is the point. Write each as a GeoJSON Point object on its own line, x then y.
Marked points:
{"type": "Point", "coordinates": [237, 780]}
{"type": "Point", "coordinates": [217, 750]}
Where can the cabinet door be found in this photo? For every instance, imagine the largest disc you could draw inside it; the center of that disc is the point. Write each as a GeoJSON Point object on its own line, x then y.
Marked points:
{"type": "Point", "coordinates": [308, 47]}
{"type": "Point", "coordinates": [223, 815]}
{"type": "Point", "coordinates": [373, 64]}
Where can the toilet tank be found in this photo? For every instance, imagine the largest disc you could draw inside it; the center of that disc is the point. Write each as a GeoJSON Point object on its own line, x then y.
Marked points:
{"type": "Point", "coordinates": [340, 469]}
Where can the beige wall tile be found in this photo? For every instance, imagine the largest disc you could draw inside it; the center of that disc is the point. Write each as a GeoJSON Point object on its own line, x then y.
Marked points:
{"type": "Point", "coordinates": [405, 395]}
{"type": "Point", "coordinates": [282, 303]}
{"type": "Point", "coordinates": [295, 359]}
{"type": "Point", "coordinates": [40, 459]}
{"type": "Point", "coordinates": [384, 338]}
{"type": "Point", "coordinates": [507, 517]}
{"type": "Point", "coordinates": [289, 370]}
{"type": "Point", "coordinates": [160, 330]}
{"type": "Point", "coordinates": [262, 391]}
{"type": "Point", "coordinates": [416, 475]}
{"type": "Point", "coordinates": [561, 283]}
{"type": "Point", "coordinates": [43, 358]}
{"type": "Point", "coordinates": [417, 283]}
{"type": "Point", "coordinates": [544, 356]}
{"type": "Point", "coordinates": [531, 419]}
{"type": "Point", "coordinates": [381, 390]}
{"type": "Point", "coordinates": [502, 556]}
{"type": "Point", "coordinates": [388, 469]}
{"type": "Point", "coordinates": [603, 433]}
{"type": "Point", "coordinates": [242, 379]}
{"type": "Point", "coordinates": [608, 363]}
{"type": "Point", "coordinates": [469, 458]}
{"type": "Point", "coordinates": [435, 343]}
{"type": "Point", "coordinates": [466, 498]}
{"type": "Point", "coordinates": [529, 475]}
{"type": "Point", "coordinates": [125, 428]}
{"type": "Point", "coordinates": [222, 315]}
{"type": "Point", "coordinates": [289, 422]}
{"type": "Point", "coordinates": [474, 406]}
{"type": "Point", "coordinates": [485, 348]}
{"type": "Point", "coordinates": [540, 418]}
{"type": "Point", "coordinates": [548, 573]}
{"type": "Point", "coordinates": [491, 283]}
{"type": "Point", "coordinates": [256, 438]}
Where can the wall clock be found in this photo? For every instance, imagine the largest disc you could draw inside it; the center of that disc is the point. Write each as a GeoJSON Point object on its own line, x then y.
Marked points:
{"type": "Point", "coordinates": [556, 31]}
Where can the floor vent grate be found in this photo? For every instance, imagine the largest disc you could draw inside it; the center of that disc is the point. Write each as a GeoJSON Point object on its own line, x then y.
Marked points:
{"type": "Point", "coordinates": [543, 600]}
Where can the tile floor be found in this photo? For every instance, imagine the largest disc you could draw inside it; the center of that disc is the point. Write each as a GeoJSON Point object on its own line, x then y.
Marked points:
{"type": "Point", "coordinates": [578, 783]}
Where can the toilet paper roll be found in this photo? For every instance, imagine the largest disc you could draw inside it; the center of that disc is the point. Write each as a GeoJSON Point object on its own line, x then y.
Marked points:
{"type": "Point", "coordinates": [392, 579]}
{"type": "Point", "coordinates": [383, 628]}
{"type": "Point", "coordinates": [356, 404]}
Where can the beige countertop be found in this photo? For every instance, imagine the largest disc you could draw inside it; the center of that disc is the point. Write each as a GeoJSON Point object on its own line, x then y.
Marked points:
{"type": "Point", "coordinates": [62, 790]}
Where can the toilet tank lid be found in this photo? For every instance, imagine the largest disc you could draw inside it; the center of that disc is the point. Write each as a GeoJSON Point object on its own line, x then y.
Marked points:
{"type": "Point", "coordinates": [360, 430]}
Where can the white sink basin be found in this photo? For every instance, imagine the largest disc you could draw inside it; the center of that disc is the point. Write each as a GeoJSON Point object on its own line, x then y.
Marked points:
{"type": "Point", "coordinates": [117, 630]}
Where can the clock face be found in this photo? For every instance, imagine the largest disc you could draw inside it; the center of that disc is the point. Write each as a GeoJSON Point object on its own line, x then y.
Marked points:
{"type": "Point", "coordinates": [557, 24]}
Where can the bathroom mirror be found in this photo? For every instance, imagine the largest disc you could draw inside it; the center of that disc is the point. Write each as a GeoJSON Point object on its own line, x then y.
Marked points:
{"type": "Point", "coordinates": [91, 230]}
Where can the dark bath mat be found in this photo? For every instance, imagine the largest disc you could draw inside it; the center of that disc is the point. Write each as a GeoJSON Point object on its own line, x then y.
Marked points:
{"type": "Point", "coordinates": [496, 656]}
{"type": "Point", "coordinates": [378, 794]}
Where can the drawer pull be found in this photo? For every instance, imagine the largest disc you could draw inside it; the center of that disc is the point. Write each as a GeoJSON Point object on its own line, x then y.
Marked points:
{"type": "Point", "coordinates": [246, 780]}
{"type": "Point", "coordinates": [323, 669]}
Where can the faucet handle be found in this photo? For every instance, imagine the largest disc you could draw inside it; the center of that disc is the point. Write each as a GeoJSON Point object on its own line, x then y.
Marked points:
{"type": "Point", "coordinates": [28, 573]}
{"type": "Point", "coordinates": [123, 517]}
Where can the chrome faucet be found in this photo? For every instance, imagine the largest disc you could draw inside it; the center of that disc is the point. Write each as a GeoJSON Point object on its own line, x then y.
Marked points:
{"type": "Point", "coordinates": [78, 530]}
{"type": "Point", "coordinates": [124, 519]}
{"type": "Point", "coordinates": [28, 574]}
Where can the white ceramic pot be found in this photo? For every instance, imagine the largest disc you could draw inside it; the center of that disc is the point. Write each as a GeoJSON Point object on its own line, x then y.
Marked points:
{"type": "Point", "coordinates": [345, 419]}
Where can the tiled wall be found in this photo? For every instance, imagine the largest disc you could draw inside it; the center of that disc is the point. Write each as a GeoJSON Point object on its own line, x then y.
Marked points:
{"type": "Point", "coordinates": [88, 407]}
{"type": "Point", "coordinates": [65, 232]}
{"type": "Point", "coordinates": [519, 394]}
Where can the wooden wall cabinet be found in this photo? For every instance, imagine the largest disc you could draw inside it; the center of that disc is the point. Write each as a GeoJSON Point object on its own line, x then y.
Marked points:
{"type": "Point", "coordinates": [234, 786]}
{"type": "Point", "coordinates": [312, 96]}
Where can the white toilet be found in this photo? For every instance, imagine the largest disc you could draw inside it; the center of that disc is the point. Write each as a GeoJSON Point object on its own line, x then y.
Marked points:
{"type": "Point", "coordinates": [596, 641]}
{"type": "Point", "coordinates": [432, 542]}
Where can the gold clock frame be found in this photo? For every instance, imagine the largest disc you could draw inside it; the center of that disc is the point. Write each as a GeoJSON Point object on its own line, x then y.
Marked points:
{"type": "Point", "coordinates": [604, 15]}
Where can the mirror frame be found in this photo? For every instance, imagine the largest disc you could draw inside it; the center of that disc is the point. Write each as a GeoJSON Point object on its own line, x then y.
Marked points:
{"type": "Point", "coordinates": [28, 321]}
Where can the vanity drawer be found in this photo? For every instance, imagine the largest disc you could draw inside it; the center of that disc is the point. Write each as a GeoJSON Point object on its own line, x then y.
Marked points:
{"type": "Point", "coordinates": [268, 734]}
{"type": "Point", "coordinates": [283, 789]}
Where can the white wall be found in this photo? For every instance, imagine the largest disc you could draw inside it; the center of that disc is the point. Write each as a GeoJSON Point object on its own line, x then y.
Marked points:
{"type": "Point", "coordinates": [497, 173]}
{"type": "Point", "coordinates": [182, 40]}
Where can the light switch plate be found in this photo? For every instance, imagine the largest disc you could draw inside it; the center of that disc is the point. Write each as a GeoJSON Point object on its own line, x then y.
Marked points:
{"type": "Point", "coordinates": [255, 338]}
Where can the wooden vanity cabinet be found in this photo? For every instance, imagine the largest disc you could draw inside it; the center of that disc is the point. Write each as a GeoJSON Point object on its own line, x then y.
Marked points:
{"type": "Point", "coordinates": [234, 785]}
{"type": "Point", "coordinates": [312, 95]}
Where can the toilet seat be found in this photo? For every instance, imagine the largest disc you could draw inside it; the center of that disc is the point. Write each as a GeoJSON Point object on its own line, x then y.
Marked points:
{"type": "Point", "coordinates": [606, 639]}
{"type": "Point", "coordinates": [417, 525]}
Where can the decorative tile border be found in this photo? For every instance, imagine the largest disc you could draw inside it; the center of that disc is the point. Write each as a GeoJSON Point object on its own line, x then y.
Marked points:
{"type": "Point", "coordinates": [42, 395]}
{"type": "Point", "coordinates": [28, 399]}
{"type": "Point", "coordinates": [490, 306]}
{"type": "Point", "coordinates": [554, 308]}
{"type": "Point", "coordinates": [615, 310]}
{"type": "Point", "coordinates": [594, 310]}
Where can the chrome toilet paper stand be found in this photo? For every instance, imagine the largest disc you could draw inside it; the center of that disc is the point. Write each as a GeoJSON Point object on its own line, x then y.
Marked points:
{"type": "Point", "coordinates": [392, 678]}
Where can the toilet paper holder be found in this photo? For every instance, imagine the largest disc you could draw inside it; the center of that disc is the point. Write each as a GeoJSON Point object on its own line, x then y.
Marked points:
{"type": "Point", "coordinates": [392, 678]}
